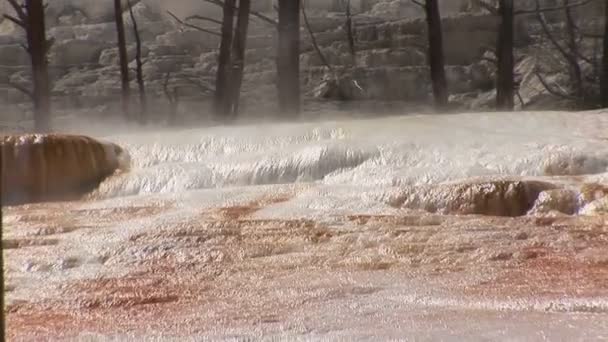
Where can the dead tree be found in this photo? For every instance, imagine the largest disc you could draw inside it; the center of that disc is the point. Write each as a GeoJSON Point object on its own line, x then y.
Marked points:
{"type": "Point", "coordinates": [143, 103]}
{"type": "Point", "coordinates": [231, 59]}
{"type": "Point", "coordinates": [288, 57]}
{"type": "Point", "coordinates": [569, 51]}
{"type": "Point", "coordinates": [350, 36]}
{"type": "Point", "coordinates": [505, 85]}
{"type": "Point", "coordinates": [30, 17]}
{"type": "Point", "coordinates": [576, 74]}
{"type": "Point", "coordinates": [435, 53]}
{"type": "Point", "coordinates": [198, 28]}
{"type": "Point", "coordinates": [173, 99]}
{"type": "Point", "coordinates": [238, 56]}
{"type": "Point", "coordinates": [604, 77]}
{"type": "Point", "coordinates": [123, 59]}
{"type": "Point", "coordinates": [315, 44]}
{"type": "Point", "coordinates": [221, 100]}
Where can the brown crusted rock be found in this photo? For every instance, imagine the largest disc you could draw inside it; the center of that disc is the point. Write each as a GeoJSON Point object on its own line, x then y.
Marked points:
{"type": "Point", "coordinates": [491, 197]}
{"type": "Point", "coordinates": [593, 191]}
{"type": "Point", "coordinates": [38, 167]}
{"type": "Point", "coordinates": [564, 201]}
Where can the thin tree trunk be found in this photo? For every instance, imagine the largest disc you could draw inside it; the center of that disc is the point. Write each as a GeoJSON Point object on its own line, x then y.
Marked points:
{"type": "Point", "coordinates": [504, 51]}
{"type": "Point", "coordinates": [349, 32]}
{"type": "Point", "coordinates": [436, 57]}
{"type": "Point", "coordinates": [238, 55]}
{"type": "Point", "coordinates": [288, 57]}
{"type": "Point", "coordinates": [314, 42]}
{"type": "Point", "coordinates": [221, 101]}
{"type": "Point", "coordinates": [575, 69]}
{"type": "Point", "coordinates": [123, 59]}
{"type": "Point", "coordinates": [143, 102]}
{"type": "Point", "coordinates": [604, 78]}
{"type": "Point", "coordinates": [37, 45]}
{"type": "Point", "coordinates": [172, 98]}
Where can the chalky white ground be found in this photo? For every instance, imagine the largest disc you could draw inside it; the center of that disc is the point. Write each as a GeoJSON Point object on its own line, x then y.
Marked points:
{"type": "Point", "coordinates": [300, 232]}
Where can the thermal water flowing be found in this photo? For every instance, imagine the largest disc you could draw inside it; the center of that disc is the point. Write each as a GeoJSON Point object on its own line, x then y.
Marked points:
{"type": "Point", "coordinates": [374, 157]}
{"type": "Point", "coordinates": [428, 227]}
{"type": "Point", "coordinates": [51, 167]}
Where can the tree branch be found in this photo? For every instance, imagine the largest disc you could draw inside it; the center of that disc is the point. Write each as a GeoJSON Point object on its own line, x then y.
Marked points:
{"type": "Point", "coordinates": [314, 40]}
{"type": "Point", "coordinates": [193, 26]}
{"type": "Point", "coordinates": [552, 91]}
{"type": "Point", "coordinates": [18, 8]}
{"type": "Point", "coordinates": [199, 17]}
{"type": "Point", "coordinates": [552, 39]}
{"type": "Point", "coordinates": [570, 57]}
{"type": "Point", "coordinates": [416, 2]}
{"type": "Point", "coordinates": [18, 22]}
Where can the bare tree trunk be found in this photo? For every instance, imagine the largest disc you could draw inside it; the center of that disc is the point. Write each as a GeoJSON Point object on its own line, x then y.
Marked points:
{"type": "Point", "coordinates": [504, 51]}
{"type": "Point", "coordinates": [143, 102]}
{"type": "Point", "coordinates": [172, 98]}
{"type": "Point", "coordinates": [288, 57]}
{"type": "Point", "coordinates": [238, 55]}
{"type": "Point", "coordinates": [575, 69]}
{"type": "Point", "coordinates": [604, 78]}
{"type": "Point", "coordinates": [221, 101]}
{"type": "Point", "coordinates": [123, 59]}
{"type": "Point", "coordinates": [436, 57]}
{"type": "Point", "coordinates": [349, 32]}
{"type": "Point", "coordinates": [37, 45]}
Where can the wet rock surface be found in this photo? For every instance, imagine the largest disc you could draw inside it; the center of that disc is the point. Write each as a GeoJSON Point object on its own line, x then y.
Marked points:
{"type": "Point", "coordinates": [492, 198]}
{"type": "Point", "coordinates": [51, 167]}
{"type": "Point", "coordinates": [437, 227]}
{"type": "Point", "coordinates": [141, 276]}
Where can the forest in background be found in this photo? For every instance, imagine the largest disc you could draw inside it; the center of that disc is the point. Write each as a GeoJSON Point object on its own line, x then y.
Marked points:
{"type": "Point", "coordinates": [160, 63]}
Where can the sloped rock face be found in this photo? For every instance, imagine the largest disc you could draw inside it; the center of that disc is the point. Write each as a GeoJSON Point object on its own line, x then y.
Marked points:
{"type": "Point", "coordinates": [572, 164]}
{"type": "Point", "coordinates": [563, 201]}
{"type": "Point", "coordinates": [13, 55]}
{"type": "Point", "coordinates": [77, 52]}
{"type": "Point", "coordinates": [411, 83]}
{"type": "Point", "coordinates": [54, 167]}
{"type": "Point", "coordinates": [493, 198]}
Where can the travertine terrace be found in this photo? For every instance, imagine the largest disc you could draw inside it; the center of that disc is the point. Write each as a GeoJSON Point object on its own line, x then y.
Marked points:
{"type": "Point", "coordinates": [453, 227]}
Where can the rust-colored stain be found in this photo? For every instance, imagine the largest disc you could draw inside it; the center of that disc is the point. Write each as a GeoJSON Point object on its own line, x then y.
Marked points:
{"type": "Point", "coordinates": [544, 273]}
{"type": "Point", "coordinates": [224, 267]}
{"type": "Point", "coordinates": [242, 211]}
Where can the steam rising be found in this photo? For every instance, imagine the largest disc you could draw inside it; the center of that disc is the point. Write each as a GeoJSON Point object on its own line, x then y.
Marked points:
{"type": "Point", "coordinates": [427, 157]}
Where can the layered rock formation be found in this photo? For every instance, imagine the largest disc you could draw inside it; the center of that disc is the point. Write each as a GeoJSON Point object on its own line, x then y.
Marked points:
{"type": "Point", "coordinates": [481, 197]}
{"type": "Point", "coordinates": [55, 167]}
{"type": "Point", "coordinates": [390, 62]}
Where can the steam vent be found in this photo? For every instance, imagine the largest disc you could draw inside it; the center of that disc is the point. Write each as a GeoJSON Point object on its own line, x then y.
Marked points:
{"type": "Point", "coordinates": [38, 167]}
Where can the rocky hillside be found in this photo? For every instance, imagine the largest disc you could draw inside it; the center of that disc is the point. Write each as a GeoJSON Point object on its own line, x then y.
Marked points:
{"type": "Point", "coordinates": [390, 60]}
